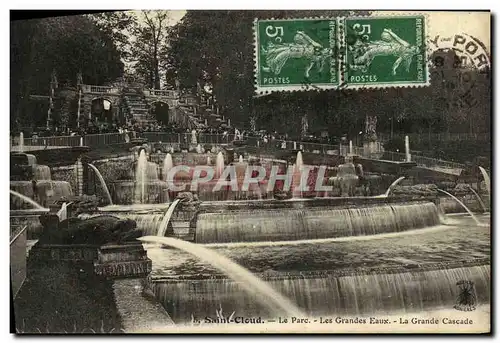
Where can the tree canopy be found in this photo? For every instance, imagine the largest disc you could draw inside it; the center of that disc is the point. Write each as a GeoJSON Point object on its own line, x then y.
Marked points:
{"type": "Point", "coordinates": [216, 48]}
{"type": "Point", "coordinates": [65, 45]}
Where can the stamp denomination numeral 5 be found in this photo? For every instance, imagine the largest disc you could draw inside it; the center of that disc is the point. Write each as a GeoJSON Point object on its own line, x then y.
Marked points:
{"type": "Point", "coordinates": [362, 30]}
{"type": "Point", "coordinates": [273, 31]}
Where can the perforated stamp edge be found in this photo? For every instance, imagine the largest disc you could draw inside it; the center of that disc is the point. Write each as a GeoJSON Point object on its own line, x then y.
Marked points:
{"type": "Point", "coordinates": [427, 38]}
{"type": "Point", "coordinates": [261, 91]}
{"type": "Point", "coordinates": [342, 57]}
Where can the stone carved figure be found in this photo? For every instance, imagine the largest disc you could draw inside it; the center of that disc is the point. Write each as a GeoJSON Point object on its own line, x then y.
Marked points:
{"type": "Point", "coordinates": [79, 78]}
{"type": "Point", "coordinates": [371, 128]}
{"type": "Point", "coordinates": [98, 230]}
{"type": "Point", "coordinates": [188, 201]}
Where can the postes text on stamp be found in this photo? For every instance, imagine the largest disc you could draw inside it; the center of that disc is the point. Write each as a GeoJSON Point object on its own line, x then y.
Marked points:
{"type": "Point", "coordinates": [293, 54]}
{"type": "Point", "coordinates": [385, 51]}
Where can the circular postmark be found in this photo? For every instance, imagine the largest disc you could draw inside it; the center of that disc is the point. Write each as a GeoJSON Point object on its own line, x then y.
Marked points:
{"type": "Point", "coordinates": [460, 63]}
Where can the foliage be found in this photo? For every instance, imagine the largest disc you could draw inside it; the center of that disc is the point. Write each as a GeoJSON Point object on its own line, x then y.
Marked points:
{"type": "Point", "coordinates": [216, 48]}
{"type": "Point", "coordinates": [66, 45]}
{"type": "Point", "coordinates": [149, 33]}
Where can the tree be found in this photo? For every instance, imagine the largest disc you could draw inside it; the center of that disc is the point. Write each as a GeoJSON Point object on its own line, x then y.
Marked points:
{"type": "Point", "coordinates": [66, 45]}
{"type": "Point", "coordinates": [149, 41]}
{"type": "Point", "coordinates": [117, 25]}
{"type": "Point", "coordinates": [216, 48]}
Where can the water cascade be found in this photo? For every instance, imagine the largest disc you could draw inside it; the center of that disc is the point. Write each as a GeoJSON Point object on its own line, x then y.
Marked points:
{"type": "Point", "coordinates": [162, 229]}
{"type": "Point", "coordinates": [330, 294]}
{"type": "Point", "coordinates": [258, 289]}
{"type": "Point", "coordinates": [483, 206]}
{"type": "Point", "coordinates": [102, 182]}
{"type": "Point", "coordinates": [313, 223]}
{"type": "Point", "coordinates": [463, 205]}
{"type": "Point", "coordinates": [40, 188]}
{"type": "Point", "coordinates": [41, 172]}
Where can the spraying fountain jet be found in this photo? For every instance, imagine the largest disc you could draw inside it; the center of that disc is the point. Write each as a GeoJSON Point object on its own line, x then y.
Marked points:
{"type": "Point", "coordinates": [297, 170]}
{"type": "Point", "coordinates": [391, 187]}
{"type": "Point", "coordinates": [166, 218]}
{"type": "Point", "coordinates": [21, 142]}
{"type": "Point", "coordinates": [103, 183]}
{"type": "Point", "coordinates": [478, 223]}
{"type": "Point", "coordinates": [267, 295]}
{"type": "Point", "coordinates": [486, 180]}
{"type": "Point", "coordinates": [219, 164]}
{"type": "Point", "coordinates": [483, 206]}
{"type": "Point", "coordinates": [240, 159]}
{"type": "Point", "coordinates": [168, 164]}
{"type": "Point", "coordinates": [140, 177]}
{"type": "Point", "coordinates": [27, 199]}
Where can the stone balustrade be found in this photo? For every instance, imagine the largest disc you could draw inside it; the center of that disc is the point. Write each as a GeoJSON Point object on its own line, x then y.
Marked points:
{"type": "Point", "coordinates": [100, 89]}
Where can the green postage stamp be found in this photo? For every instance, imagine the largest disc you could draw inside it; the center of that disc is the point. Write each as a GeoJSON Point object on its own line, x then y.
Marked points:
{"type": "Point", "coordinates": [295, 54]}
{"type": "Point", "coordinates": [385, 51]}
{"type": "Point", "coordinates": [332, 53]}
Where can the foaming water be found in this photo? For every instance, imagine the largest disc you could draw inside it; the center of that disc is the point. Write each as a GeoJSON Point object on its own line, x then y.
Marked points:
{"type": "Point", "coordinates": [259, 290]}
{"type": "Point", "coordinates": [463, 205]}
{"type": "Point", "coordinates": [103, 183]}
{"type": "Point", "coordinates": [313, 223]}
{"type": "Point", "coordinates": [41, 172]}
{"type": "Point", "coordinates": [27, 199]}
{"type": "Point", "coordinates": [331, 294]}
{"type": "Point", "coordinates": [448, 226]}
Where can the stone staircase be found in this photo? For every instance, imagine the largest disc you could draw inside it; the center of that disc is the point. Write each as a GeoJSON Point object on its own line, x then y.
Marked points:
{"type": "Point", "coordinates": [195, 112]}
{"type": "Point", "coordinates": [137, 107]}
{"type": "Point", "coordinates": [200, 114]}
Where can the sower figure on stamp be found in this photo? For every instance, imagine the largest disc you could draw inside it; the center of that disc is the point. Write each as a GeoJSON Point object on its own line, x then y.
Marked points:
{"type": "Point", "coordinates": [303, 47]}
{"type": "Point", "coordinates": [391, 44]}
